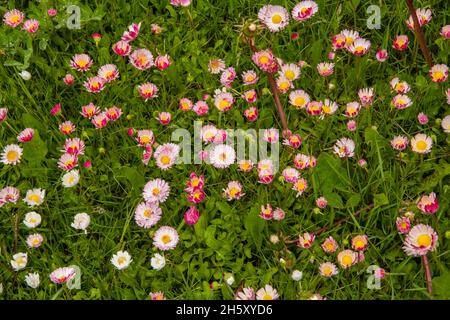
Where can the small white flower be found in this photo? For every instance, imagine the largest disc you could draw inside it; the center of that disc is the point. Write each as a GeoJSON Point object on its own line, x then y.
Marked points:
{"type": "Point", "coordinates": [81, 221]}
{"type": "Point", "coordinates": [19, 261]}
{"type": "Point", "coordinates": [158, 261]}
{"type": "Point", "coordinates": [121, 260]}
{"type": "Point", "coordinates": [25, 75]}
{"type": "Point", "coordinates": [71, 178]}
{"type": "Point", "coordinates": [34, 197]}
{"type": "Point", "coordinates": [297, 275]}
{"type": "Point", "coordinates": [32, 280]}
{"type": "Point", "coordinates": [32, 219]}
{"type": "Point", "coordinates": [230, 280]}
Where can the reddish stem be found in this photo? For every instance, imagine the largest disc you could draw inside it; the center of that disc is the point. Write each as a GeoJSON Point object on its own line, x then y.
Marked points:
{"type": "Point", "coordinates": [419, 34]}
{"type": "Point", "coordinates": [426, 264]}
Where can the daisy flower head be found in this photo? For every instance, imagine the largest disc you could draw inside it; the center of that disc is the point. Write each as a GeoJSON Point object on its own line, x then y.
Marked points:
{"type": "Point", "coordinates": [325, 69]}
{"type": "Point", "coordinates": [351, 125]}
{"type": "Point", "coordinates": [422, 118]}
{"type": "Point", "coordinates": [67, 161]}
{"type": "Point", "coordinates": [81, 221]}
{"type": "Point", "coordinates": [359, 47]}
{"type": "Point", "coordinates": [3, 114]}
{"type": "Point", "coordinates": [227, 77]}
{"type": "Point", "coordinates": [108, 72]}
{"type": "Point", "coordinates": [156, 190]}
{"type": "Point", "coordinates": [31, 25]}
{"type": "Point", "coordinates": [34, 240]}
{"type": "Point", "coordinates": [401, 42]}
{"type": "Point", "coordinates": [100, 120]}
{"type": "Point", "coordinates": [145, 137]}
{"type": "Point", "coordinates": [399, 143]}
{"type": "Point", "coordinates": [299, 99]}
{"type": "Point", "coordinates": [148, 90]}
{"type": "Point", "coordinates": [366, 96]}
{"type": "Point", "coordinates": [245, 165]}
{"type": "Point", "coordinates": [62, 275]}
{"type": "Point", "coordinates": [445, 31]}
{"type": "Point", "coordinates": [89, 110]}
{"type": "Point", "coordinates": [196, 196]}
{"type": "Point", "coordinates": [278, 214]}
{"type": "Point", "coordinates": [223, 101]}
{"type": "Point", "coordinates": [147, 214]}
{"type": "Point", "coordinates": [132, 32]}
{"type": "Point", "coordinates": [165, 238]}
{"type": "Point", "coordinates": [71, 178]}
{"type": "Point", "coordinates": [185, 104]}
{"type": "Point", "coordinates": [74, 146]}
{"type": "Point", "coordinates": [329, 245]}
{"type": "Point", "coordinates": [294, 141]}
{"type": "Point", "coordinates": [233, 191]}
{"type": "Point", "coordinates": [350, 37]}
{"type": "Point", "coordinates": [216, 66]}
{"type": "Point", "coordinates": [301, 161]}
{"type": "Point", "coordinates": [314, 108]}
{"type": "Point", "coordinates": [13, 18]}
{"type": "Point", "coordinates": [339, 41]}
{"type": "Point", "coordinates": [420, 240]}
{"type": "Point", "coordinates": [191, 216]}
{"type": "Point", "coordinates": [121, 260]}
{"type": "Point", "coordinates": [403, 224]}
{"type": "Point", "coordinates": [32, 219]}
{"type": "Point", "coordinates": [274, 17]}
{"type": "Point", "coordinates": [141, 59]}
{"type": "Point", "coordinates": [56, 109]}
{"type": "Point", "coordinates": [382, 55]}
{"type": "Point", "coordinates": [265, 60]}
{"type": "Point", "coordinates": [352, 109]}
{"type": "Point", "coordinates": [329, 107]}
{"type": "Point", "coordinates": [160, 295]}
{"type": "Point", "coordinates": [32, 280]}
{"type": "Point", "coordinates": [113, 113]}
{"type": "Point", "coordinates": [208, 133]}
{"type": "Point", "coordinates": [162, 62]}
{"type": "Point", "coordinates": [445, 124]}
{"type": "Point", "coordinates": [360, 242]}
{"type": "Point", "coordinates": [166, 155]}
{"type": "Point", "coordinates": [401, 101]}
{"type": "Point", "coordinates": [9, 194]}
{"type": "Point", "coordinates": [19, 261]}
{"type": "Point", "coordinates": [195, 182]}
{"type": "Point", "coordinates": [34, 197]}
{"type": "Point", "coordinates": [304, 10]}
{"type": "Point", "coordinates": [249, 77]}
{"type": "Point", "coordinates": [290, 175]}
{"type": "Point", "coordinates": [439, 73]}
{"type": "Point", "coordinates": [81, 62]}
{"type": "Point", "coordinates": [283, 84]}
{"type": "Point", "coordinates": [428, 204]}
{"type": "Point", "coordinates": [328, 269]}
{"type": "Point", "coordinates": [157, 262]}
{"type": "Point", "coordinates": [94, 84]}
{"type": "Point", "coordinates": [250, 96]}
{"type": "Point", "coordinates": [344, 148]}
{"type": "Point", "coordinates": [164, 118]}
{"type": "Point", "coordinates": [399, 86]}
{"type": "Point", "coordinates": [321, 202]}
{"type": "Point", "coordinates": [122, 48]}
{"type": "Point", "coordinates": [245, 294]}
{"type": "Point", "coordinates": [421, 143]}
{"type": "Point", "coordinates": [267, 293]}
{"type": "Point", "coordinates": [251, 114]}
{"type": "Point", "coordinates": [306, 240]}
{"type": "Point", "coordinates": [11, 154]}
{"type": "Point", "coordinates": [271, 135]}
{"type": "Point", "coordinates": [290, 71]}
{"type": "Point", "coordinates": [347, 258]}
{"type": "Point", "coordinates": [222, 156]}
{"type": "Point", "coordinates": [423, 15]}
{"type": "Point", "coordinates": [266, 212]}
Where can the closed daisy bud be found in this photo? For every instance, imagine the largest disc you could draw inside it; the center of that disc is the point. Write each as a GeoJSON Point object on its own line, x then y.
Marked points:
{"type": "Point", "coordinates": [278, 214]}
{"type": "Point", "coordinates": [421, 143]}
{"type": "Point", "coordinates": [401, 42]}
{"type": "Point", "coordinates": [351, 125]}
{"type": "Point", "coordinates": [158, 262]}
{"type": "Point", "coordinates": [122, 48]}
{"type": "Point", "coordinates": [379, 273]}
{"type": "Point", "coordinates": [25, 75]}
{"type": "Point", "coordinates": [191, 216]}
{"type": "Point", "coordinates": [382, 55]}
{"type": "Point", "coordinates": [428, 204]}
{"type": "Point", "coordinates": [347, 258]}
{"type": "Point", "coordinates": [274, 239]}
{"type": "Point", "coordinates": [96, 37]}
{"type": "Point", "coordinates": [445, 31]}
{"type": "Point", "coordinates": [69, 79]}
{"type": "Point", "coordinates": [26, 135]}
{"type": "Point", "coordinates": [321, 202]}
{"type": "Point", "coordinates": [3, 114]}
{"type": "Point", "coordinates": [162, 62]}
{"type": "Point", "coordinates": [362, 163]}
{"type": "Point", "coordinates": [132, 32]}
{"type": "Point", "coordinates": [331, 55]}
{"type": "Point", "coordinates": [328, 269]}
{"type": "Point", "coordinates": [329, 245]}
{"type": "Point", "coordinates": [422, 118]}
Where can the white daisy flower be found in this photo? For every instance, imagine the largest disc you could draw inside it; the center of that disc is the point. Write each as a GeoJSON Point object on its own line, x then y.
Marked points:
{"type": "Point", "coordinates": [32, 219]}
{"type": "Point", "coordinates": [156, 190]}
{"type": "Point", "coordinates": [121, 260]}
{"type": "Point", "coordinates": [34, 197]}
{"type": "Point", "coordinates": [81, 221]}
{"type": "Point", "coordinates": [12, 154]}
{"type": "Point", "coordinates": [71, 178]}
{"type": "Point", "coordinates": [165, 238]}
{"type": "Point", "coordinates": [222, 156]}
{"type": "Point", "coordinates": [158, 261]}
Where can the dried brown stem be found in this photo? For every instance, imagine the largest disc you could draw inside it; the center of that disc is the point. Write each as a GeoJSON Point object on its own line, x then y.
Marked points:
{"type": "Point", "coordinates": [419, 34]}
{"type": "Point", "coordinates": [426, 264]}
{"type": "Point", "coordinates": [16, 232]}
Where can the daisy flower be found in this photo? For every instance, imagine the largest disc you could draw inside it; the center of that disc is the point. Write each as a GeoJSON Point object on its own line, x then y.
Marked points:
{"type": "Point", "coordinates": [422, 118]}
{"type": "Point", "coordinates": [399, 143]}
{"type": "Point", "coordinates": [89, 110]}
{"type": "Point", "coordinates": [265, 60]}
{"type": "Point", "coordinates": [223, 101]}
{"type": "Point", "coordinates": [113, 113]}
{"type": "Point", "coordinates": [233, 191]}
{"type": "Point", "coordinates": [366, 96]}
{"type": "Point", "coordinates": [121, 260]}
{"type": "Point", "coordinates": [222, 156]}
{"type": "Point", "coordinates": [195, 182]}
{"type": "Point", "coordinates": [267, 293]}
{"type": "Point", "coordinates": [420, 240]}
{"type": "Point", "coordinates": [100, 120]}
{"type": "Point", "coordinates": [275, 18]}
{"type": "Point", "coordinates": [32, 219]}
{"type": "Point", "coordinates": [401, 101]}
{"type": "Point", "coordinates": [249, 77]}
{"type": "Point", "coordinates": [290, 71]}
{"type": "Point", "coordinates": [266, 212]}
{"type": "Point", "coordinates": [359, 47]}
{"type": "Point", "coordinates": [13, 18]}
{"type": "Point", "coordinates": [70, 178]}
{"type": "Point", "coordinates": [445, 31]}
{"type": "Point", "coordinates": [347, 258]}
{"type": "Point", "coordinates": [208, 133]}
{"type": "Point", "coordinates": [328, 269]}
{"type": "Point", "coordinates": [301, 161]}
{"type": "Point", "coordinates": [421, 143]}
{"type": "Point", "coordinates": [34, 197]}
{"type": "Point", "coordinates": [165, 238]}
{"type": "Point", "coordinates": [306, 240]}
{"type": "Point", "coordinates": [382, 55]}
{"type": "Point", "coordinates": [403, 224]}
{"type": "Point", "coordinates": [166, 155]}
{"type": "Point", "coordinates": [344, 147]}
{"type": "Point", "coordinates": [69, 79]}
{"type": "Point", "coordinates": [329, 245]}
{"type": "Point", "coordinates": [191, 216]}
{"type": "Point", "coordinates": [108, 72]}
{"type": "Point", "coordinates": [19, 261]}
{"type": "Point", "coordinates": [245, 294]}
{"type": "Point", "coordinates": [145, 137]}
{"type": "Point", "coordinates": [67, 161]}
{"type": "Point", "coordinates": [294, 141]}
{"type": "Point", "coordinates": [227, 77]}
{"type": "Point", "coordinates": [352, 109]}
{"type": "Point", "coordinates": [185, 104]}
{"type": "Point", "coordinates": [339, 41]}
{"type": "Point", "coordinates": [271, 135]}
{"type": "Point", "coordinates": [9, 194]}
{"type": "Point", "coordinates": [245, 165]}
{"type": "Point", "coordinates": [147, 214]}
{"type": "Point", "coordinates": [216, 66]}
{"type": "Point", "coordinates": [290, 175]}
{"type": "Point", "coordinates": [122, 48]}
{"type": "Point", "coordinates": [81, 221]}
{"type": "Point", "coordinates": [31, 25]}
{"type": "Point", "coordinates": [141, 59]}
{"type": "Point", "coordinates": [164, 118]}
{"type": "Point", "coordinates": [314, 108]}
{"type": "Point", "coordinates": [11, 154]}
{"type": "Point", "coordinates": [132, 32]}
{"type": "Point", "coordinates": [283, 84]}
{"type": "Point", "coordinates": [325, 69]}
{"type": "Point", "coordinates": [250, 96]}
{"type": "Point", "coordinates": [360, 242]}
{"type": "Point", "coordinates": [423, 15]}
{"type": "Point", "coordinates": [81, 62]}
{"type": "Point", "coordinates": [401, 42]}
{"type": "Point", "coordinates": [299, 99]}
{"type": "Point", "coordinates": [162, 62]}
{"type": "Point", "coordinates": [74, 146]}
{"type": "Point", "coordinates": [157, 262]}
{"type": "Point", "coordinates": [445, 124]}
{"type": "Point", "coordinates": [278, 214]}
{"type": "Point", "coordinates": [32, 280]}
{"type": "Point", "coordinates": [34, 240]}
{"type": "Point", "coordinates": [156, 190]}
{"type": "Point", "coordinates": [148, 90]}
{"type": "Point", "coordinates": [428, 204]}
{"type": "Point", "coordinates": [321, 202]}
{"type": "Point", "coordinates": [94, 84]}
{"type": "Point", "coordinates": [62, 275]}
{"type": "Point", "coordinates": [300, 186]}
{"type": "Point", "coordinates": [304, 10]}
{"type": "Point", "coordinates": [160, 295]}
{"type": "Point", "coordinates": [439, 73]}
{"type": "Point", "coordinates": [399, 86]}
{"type": "Point", "coordinates": [3, 114]}
{"type": "Point", "coordinates": [329, 107]}
{"type": "Point", "coordinates": [350, 37]}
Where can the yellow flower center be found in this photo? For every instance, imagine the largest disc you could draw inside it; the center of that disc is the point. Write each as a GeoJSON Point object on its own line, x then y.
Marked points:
{"type": "Point", "coordinates": [290, 75]}
{"type": "Point", "coordinates": [299, 101]}
{"type": "Point", "coordinates": [12, 155]}
{"type": "Point", "coordinates": [326, 109]}
{"type": "Point", "coordinates": [166, 239]}
{"type": "Point", "coordinates": [224, 104]}
{"type": "Point", "coordinates": [424, 240]}
{"type": "Point", "coordinates": [438, 75]}
{"type": "Point", "coordinates": [223, 156]}
{"type": "Point", "coordinates": [82, 63]}
{"type": "Point", "coordinates": [421, 145]}
{"type": "Point", "coordinates": [267, 296]}
{"type": "Point", "coordinates": [359, 49]}
{"type": "Point", "coordinates": [347, 260]}
{"type": "Point", "coordinates": [156, 191]}
{"type": "Point", "coordinates": [165, 160]}
{"type": "Point", "coordinates": [233, 192]}
{"type": "Point", "coordinates": [121, 260]}
{"type": "Point", "coordinates": [263, 59]}
{"type": "Point", "coordinates": [327, 271]}
{"type": "Point", "coordinates": [34, 198]}
{"type": "Point", "coordinates": [15, 18]}
{"type": "Point", "coordinates": [348, 41]}
{"type": "Point", "coordinates": [329, 245]}
{"type": "Point", "coordinates": [276, 18]}
{"type": "Point", "coordinates": [145, 139]}
{"type": "Point", "coordinates": [148, 213]}
{"type": "Point", "coordinates": [284, 85]}
{"type": "Point", "coordinates": [359, 244]}
{"type": "Point", "coordinates": [35, 242]}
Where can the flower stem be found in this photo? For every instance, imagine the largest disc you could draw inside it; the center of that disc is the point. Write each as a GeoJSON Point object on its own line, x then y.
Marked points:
{"type": "Point", "coordinates": [426, 264]}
